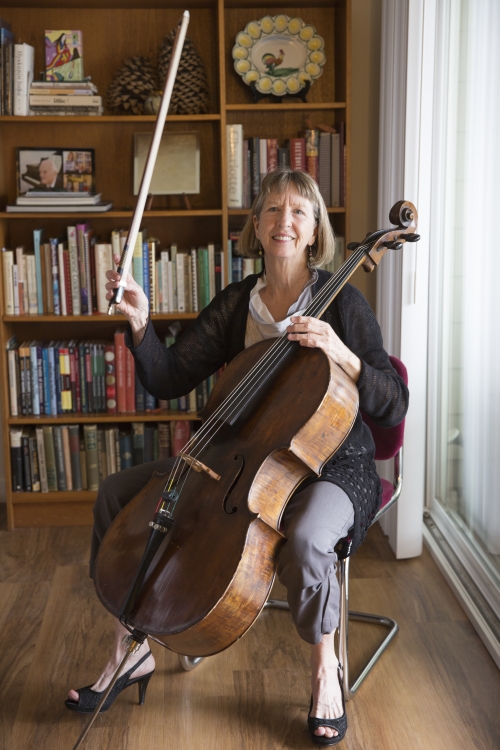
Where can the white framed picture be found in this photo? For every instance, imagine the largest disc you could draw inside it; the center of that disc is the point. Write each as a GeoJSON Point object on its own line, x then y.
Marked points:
{"type": "Point", "coordinates": [177, 167]}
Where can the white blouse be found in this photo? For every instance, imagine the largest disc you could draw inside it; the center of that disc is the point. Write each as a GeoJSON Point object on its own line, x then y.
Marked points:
{"type": "Point", "coordinates": [261, 324]}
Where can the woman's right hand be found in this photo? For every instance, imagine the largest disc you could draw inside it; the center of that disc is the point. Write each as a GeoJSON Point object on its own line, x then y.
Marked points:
{"type": "Point", "coordinates": [134, 304]}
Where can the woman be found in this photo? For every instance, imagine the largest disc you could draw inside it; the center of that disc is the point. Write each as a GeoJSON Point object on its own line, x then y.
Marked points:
{"type": "Point", "coordinates": [289, 226]}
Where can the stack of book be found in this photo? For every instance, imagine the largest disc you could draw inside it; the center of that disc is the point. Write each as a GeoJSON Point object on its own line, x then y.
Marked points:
{"type": "Point", "coordinates": [64, 98]}
{"type": "Point", "coordinates": [62, 458]}
{"type": "Point", "coordinates": [86, 377]}
{"type": "Point", "coordinates": [321, 154]}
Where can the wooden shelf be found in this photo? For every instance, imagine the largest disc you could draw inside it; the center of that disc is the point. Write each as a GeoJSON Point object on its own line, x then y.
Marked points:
{"type": "Point", "coordinates": [161, 415]}
{"type": "Point", "coordinates": [73, 496]}
{"type": "Point", "coordinates": [183, 213]}
{"type": "Point", "coordinates": [99, 119]}
{"type": "Point", "coordinates": [286, 104]}
{"type": "Point", "coordinates": [119, 319]}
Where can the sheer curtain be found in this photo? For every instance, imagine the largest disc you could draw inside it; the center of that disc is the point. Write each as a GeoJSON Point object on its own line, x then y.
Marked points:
{"type": "Point", "coordinates": [479, 195]}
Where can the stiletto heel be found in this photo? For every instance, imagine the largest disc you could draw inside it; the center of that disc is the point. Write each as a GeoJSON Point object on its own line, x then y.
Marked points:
{"type": "Point", "coordinates": [88, 699]}
{"type": "Point", "coordinates": [143, 686]}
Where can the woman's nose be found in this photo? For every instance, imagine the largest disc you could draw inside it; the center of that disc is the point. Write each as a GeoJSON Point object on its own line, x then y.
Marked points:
{"type": "Point", "coordinates": [285, 216]}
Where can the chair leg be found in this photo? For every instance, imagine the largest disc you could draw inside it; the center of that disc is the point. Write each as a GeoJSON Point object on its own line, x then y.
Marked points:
{"type": "Point", "coordinates": [345, 615]}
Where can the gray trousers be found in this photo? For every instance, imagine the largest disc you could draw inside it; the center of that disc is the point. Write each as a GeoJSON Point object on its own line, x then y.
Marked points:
{"type": "Point", "coordinates": [315, 519]}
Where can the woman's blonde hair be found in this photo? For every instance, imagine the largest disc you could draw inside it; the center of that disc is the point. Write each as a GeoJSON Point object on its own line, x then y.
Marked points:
{"type": "Point", "coordinates": [278, 181]}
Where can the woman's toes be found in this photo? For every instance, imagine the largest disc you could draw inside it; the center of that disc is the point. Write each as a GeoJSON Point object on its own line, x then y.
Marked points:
{"type": "Point", "coordinates": [73, 696]}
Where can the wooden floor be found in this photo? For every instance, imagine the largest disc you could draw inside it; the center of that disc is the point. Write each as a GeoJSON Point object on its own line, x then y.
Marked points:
{"type": "Point", "coordinates": [436, 688]}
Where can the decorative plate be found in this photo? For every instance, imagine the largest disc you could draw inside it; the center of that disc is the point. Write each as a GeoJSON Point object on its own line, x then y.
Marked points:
{"type": "Point", "coordinates": [278, 54]}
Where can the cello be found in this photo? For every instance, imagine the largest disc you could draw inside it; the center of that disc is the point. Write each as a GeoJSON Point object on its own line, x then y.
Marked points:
{"type": "Point", "coordinates": [190, 561]}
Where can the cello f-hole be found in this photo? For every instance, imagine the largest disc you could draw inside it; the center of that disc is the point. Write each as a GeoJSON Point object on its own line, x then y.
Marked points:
{"type": "Point", "coordinates": [225, 502]}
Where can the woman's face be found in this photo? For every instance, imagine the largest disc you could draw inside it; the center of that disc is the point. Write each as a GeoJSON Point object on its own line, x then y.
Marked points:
{"type": "Point", "coordinates": [286, 226]}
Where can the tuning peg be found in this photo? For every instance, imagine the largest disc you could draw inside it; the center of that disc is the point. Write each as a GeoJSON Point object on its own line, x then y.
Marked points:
{"type": "Point", "coordinates": [394, 245]}
{"type": "Point", "coordinates": [353, 245]}
{"type": "Point", "coordinates": [410, 237]}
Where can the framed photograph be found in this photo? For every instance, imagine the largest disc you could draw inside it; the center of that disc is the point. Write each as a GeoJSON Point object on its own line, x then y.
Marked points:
{"type": "Point", "coordinates": [177, 167]}
{"type": "Point", "coordinates": [55, 170]}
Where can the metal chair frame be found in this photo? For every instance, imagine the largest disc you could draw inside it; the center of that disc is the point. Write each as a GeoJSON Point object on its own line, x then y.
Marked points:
{"type": "Point", "coordinates": [190, 662]}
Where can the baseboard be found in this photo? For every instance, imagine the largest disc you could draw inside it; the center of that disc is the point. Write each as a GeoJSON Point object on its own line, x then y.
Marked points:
{"type": "Point", "coordinates": [472, 601]}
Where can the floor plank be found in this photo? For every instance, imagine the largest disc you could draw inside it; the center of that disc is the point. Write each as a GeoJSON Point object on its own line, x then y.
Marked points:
{"type": "Point", "coordinates": [436, 688]}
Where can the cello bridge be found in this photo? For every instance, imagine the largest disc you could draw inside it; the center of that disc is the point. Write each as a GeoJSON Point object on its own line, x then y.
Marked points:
{"type": "Point", "coordinates": [199, 466]}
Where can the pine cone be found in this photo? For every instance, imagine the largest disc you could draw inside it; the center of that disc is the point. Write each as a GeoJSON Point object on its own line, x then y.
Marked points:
{"type": "Point", "coordinates": [190, 94]}
{"type": "Point", "coordinates": [131, 86]}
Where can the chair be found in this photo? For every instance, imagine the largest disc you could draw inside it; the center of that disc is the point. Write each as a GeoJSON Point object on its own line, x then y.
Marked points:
{"type": "Point", "coordinates": [388, 445]}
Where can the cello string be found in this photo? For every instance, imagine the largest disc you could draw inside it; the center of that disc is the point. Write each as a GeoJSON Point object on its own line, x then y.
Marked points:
{"type": "Point", "coordinates": [267, 360]}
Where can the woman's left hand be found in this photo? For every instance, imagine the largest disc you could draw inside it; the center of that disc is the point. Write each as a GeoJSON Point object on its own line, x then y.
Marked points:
{"type": "Point", "coordinates": [318, 334]}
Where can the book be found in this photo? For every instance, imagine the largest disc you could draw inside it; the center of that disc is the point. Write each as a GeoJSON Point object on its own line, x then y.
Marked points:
{"type": "Point", "coordinates": [14, 376]}
{"type": "Point", "coordinates": [47, 208]}
{"type": "Point", "coordinates": [109, 359]}
{"type": "Point", "coordinates": [48, 292]}
{"type": "Point", "coordinates": [64, 100]}
{"type": "Point", "coordinates": [7, 68]}
{"type": "Point", "coordinates": [42, 466]}
{"type": "Point", "coordinates": [137, 443]}
{"type": "Point", "coordinates": [16, 459]}
{"type": "Point", "coordinates": [129, 381]}
{"type": "Point", "coordinates": [335, 169]}
{"type": "Point", "coordinates": [34, 465]}
{"type": "Point", "coordinates": [298, 153]}
{"type": "Point", "coordinates": [62, 278]}
{"type": "Point", "coordinates": [325, 167]}
{"type": "Point", "coordinates": [28, 485]}
{"type": "Point", "coordinates": [272, 154]}
{"type": "Point", "coordinates": [50, 457]}
{"type": "Point", "coordinates": [120, 370]}
{"type": "Point", "coordinates": [74, 271]}
{"type": "Point", "coordinates": [312, 152]}
{"type": "Point", "coordinates": [103, 254]}
{"type": "Point", "coordinates": [22, 287]}
{"type": "Point", "coordinates": [254, 148]}
{"type": "Point", "coordinates": [91, 456]}
{"type": "Point", "coordinates": [181, 435]}
{"type": "Point", "coordinates": [63, 55]}
{"type": "Point", "coordinates": [68, 472]}
{"type": "Point", "coordinates": [125, 443]}
{"type": "Point", "coordinates": [54, 265]}
{"type": "Point", "coordinates": [24, 63]}
{"type": "Point", "coordinates": [262, 159]}
{"type": "Point", "coordinates": [234, 139]}
{"type": "Point", "coordinates": [39, 198]}
{"type": "Point", "coordinates": [82, 85]}
{"type": "Point", "coordinates": [8, 282]}
{"type": "Point", "coordinates": [74, 447]}
{"type": "Point", "coordinates": [37, 240]}
{"type": "Point", "coordinates": [59, 458]}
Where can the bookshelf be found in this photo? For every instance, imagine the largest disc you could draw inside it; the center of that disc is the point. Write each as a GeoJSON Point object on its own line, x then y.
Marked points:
{"type": "Point", "coordinates": [113, 31]}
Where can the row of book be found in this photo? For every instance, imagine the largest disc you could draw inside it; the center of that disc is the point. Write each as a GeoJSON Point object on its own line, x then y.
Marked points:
{"type": "Point", "coordinates": [86, 377]}
{"type": "Point", "coordinates": [320, 153]}
{"type": "Point", "coordinates": [62, 458]}
{"type": "Point", "coordinates": [68, 276]}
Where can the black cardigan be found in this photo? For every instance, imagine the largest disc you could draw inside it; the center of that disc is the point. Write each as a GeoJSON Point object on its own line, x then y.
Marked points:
{"type": "Point", "coordinates": [218, 335]}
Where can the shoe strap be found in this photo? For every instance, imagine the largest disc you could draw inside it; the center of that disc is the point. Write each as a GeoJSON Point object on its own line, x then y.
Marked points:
{"type": "Point", "coordinates": [136, 666]}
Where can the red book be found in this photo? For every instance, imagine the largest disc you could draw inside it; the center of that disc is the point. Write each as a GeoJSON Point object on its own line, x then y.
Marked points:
{"type": "Point", "coordinates": [129, 380]}
{"type": "Point", "coordinates": [298, 153]}
{"type": "Point", "coordinates": [181, 433]}
{"type": "Point", "coordinates": [67, 282]}
{"type": "Point", "coordinates": [120, 369]}
{"type": "Point", "coordinates": [272, 154]}
{"type": "Point", "coordinates": [109, 366]}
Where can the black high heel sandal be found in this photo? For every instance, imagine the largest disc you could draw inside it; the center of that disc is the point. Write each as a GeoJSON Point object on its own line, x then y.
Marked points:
{"type": "Point", "coordinates": [89, 699]}
{"type": "Point", "coordinates": [339, 724]}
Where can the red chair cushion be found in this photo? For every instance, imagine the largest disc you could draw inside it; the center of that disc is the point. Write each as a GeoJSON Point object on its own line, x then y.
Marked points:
{"type": "Point", "coordinates": [388, 440]}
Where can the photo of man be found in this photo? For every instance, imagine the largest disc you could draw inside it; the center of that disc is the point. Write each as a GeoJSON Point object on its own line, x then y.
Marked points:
{"type": "Point", "coordinates": [50, 177]}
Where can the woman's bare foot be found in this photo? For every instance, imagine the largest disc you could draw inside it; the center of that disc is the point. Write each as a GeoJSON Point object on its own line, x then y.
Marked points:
{"type": "Point", "coordinates": [326, 692]}
{"type": "Point", "coordinates": [116, 657]}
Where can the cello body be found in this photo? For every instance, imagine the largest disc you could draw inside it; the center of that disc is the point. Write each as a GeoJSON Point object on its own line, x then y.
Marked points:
{"type": "Point", "coordinates": [213, 573]}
